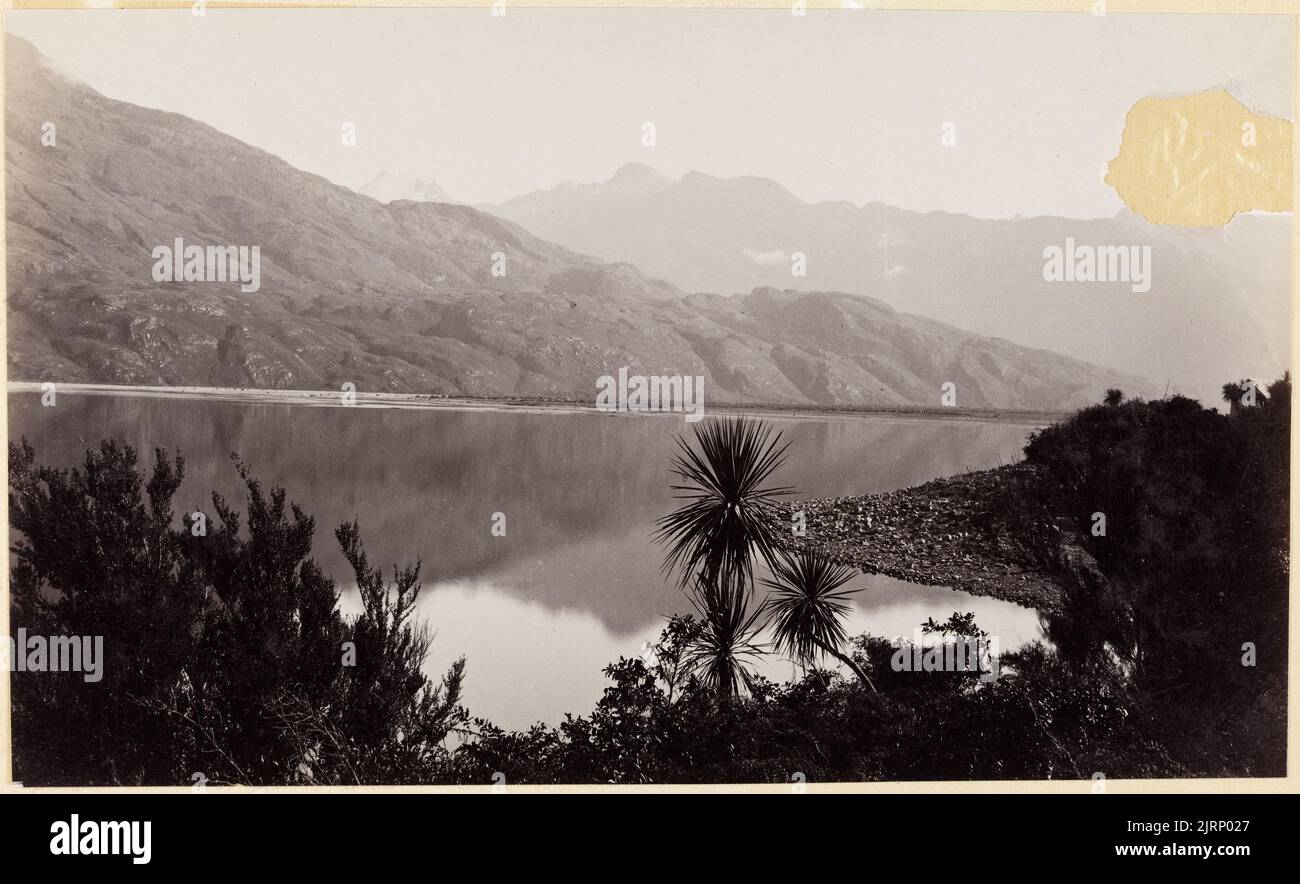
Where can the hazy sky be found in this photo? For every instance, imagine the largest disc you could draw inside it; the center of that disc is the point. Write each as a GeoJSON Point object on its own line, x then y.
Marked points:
{"type": "Point", "coordinates": [842, 105]}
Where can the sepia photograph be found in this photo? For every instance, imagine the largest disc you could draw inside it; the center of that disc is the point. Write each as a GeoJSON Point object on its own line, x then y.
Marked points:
{"type": "Point", "coordinates": [520, 397]}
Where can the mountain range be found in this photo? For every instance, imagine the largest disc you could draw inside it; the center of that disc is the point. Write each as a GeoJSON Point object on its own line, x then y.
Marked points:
{"type": "Point", "coordinates": [412, 296]}
{"type": "Point", "coordinates": [1218, 307]}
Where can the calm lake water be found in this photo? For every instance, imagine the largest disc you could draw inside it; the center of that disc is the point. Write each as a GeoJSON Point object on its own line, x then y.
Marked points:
{"type": "Point", "coordinates": [575, 583]}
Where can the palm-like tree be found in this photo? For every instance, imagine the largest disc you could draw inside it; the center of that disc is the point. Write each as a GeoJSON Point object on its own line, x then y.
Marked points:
{"type": "Point", "coordinates": [807, 608]}
{"type": "Point", "coordinates": [1233, 393]}
{"type": "Point", "coordinates": [720, 656]}
{"type": "Point", "coordinates": [1114, 396]}
{"type": "Point", "coordinates": [728, 513]}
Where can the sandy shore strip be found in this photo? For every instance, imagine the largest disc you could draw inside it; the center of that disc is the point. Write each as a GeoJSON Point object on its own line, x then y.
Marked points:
{"type": "Point", "coordinates": [369, 399]}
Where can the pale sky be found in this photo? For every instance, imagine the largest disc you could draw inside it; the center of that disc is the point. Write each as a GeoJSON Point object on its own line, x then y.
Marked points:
{"type": "Point", "coordinates": [842, 105]}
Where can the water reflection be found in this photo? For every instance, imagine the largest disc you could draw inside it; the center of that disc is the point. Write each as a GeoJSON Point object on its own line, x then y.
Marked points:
{"type": "Point", "coordinates": [575, 582]}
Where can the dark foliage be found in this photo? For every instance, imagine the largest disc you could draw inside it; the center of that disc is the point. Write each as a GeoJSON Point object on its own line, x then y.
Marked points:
{"type": "Point", "coordinates": [1043, 722]}
{"type": "Point", "coordinates": [225, 653]}
{"type": "Point", "coordinates": [1192, 569]}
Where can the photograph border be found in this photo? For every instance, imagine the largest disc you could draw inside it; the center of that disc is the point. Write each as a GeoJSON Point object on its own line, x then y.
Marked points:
{"type": "Point", "coordinates": [1288, 783]}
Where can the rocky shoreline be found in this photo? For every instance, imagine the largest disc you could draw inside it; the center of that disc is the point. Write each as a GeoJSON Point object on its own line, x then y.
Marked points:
{"type": "Point", "coordinates": [964, 532]}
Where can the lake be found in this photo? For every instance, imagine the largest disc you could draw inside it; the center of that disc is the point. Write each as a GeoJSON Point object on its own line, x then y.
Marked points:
{"type": "Point", "coordinates": [575, 583]}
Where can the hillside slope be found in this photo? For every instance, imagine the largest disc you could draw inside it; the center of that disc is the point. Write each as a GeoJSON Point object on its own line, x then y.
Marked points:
{"type": "Point", "coordinates": [401, 296]}
{"type": "Point", "coordinates": [1218, 307]}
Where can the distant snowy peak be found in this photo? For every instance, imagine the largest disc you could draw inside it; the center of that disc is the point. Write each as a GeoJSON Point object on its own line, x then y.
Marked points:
{"type": "Point", "coordinates": [388, 187]}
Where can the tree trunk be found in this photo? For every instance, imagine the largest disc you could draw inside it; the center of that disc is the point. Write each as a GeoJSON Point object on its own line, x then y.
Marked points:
{"type": "Point", "coordinates": [852, 664]}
